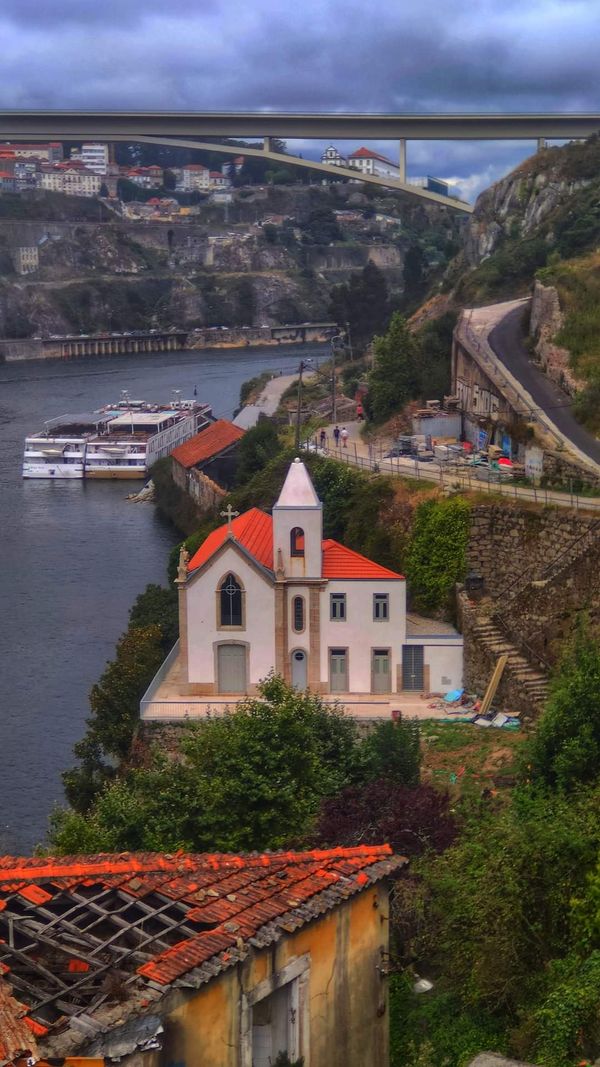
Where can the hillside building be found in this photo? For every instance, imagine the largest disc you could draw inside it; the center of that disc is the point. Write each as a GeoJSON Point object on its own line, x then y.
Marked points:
{"type": "Point", "coordinates": [151, 960]}
{"type": "Point", "coordinates": [26, 259]}
{"type": "Point", "coordinates": [369, 162]}
{"type": "Point", "coordinates": [333, 158]}
{"type": "Point", "coordinates": [193, 178]}
{"type": "Point", "coordinates": [268, 593]}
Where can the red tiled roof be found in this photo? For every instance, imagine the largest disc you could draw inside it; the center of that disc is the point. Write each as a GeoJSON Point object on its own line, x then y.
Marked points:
{"type": "Point", "coordinates": [366, 153]}
{"type": "Point", "coordinates": [208, 443]}
{"type": "Point", "coordinates": [342, 562]}
{"type": "Point", "coordinates": [16, 1038]}
{"type": "Point", "coordinates": [254, 530]}
{"type": "Point", "coordinates": [196, 913]}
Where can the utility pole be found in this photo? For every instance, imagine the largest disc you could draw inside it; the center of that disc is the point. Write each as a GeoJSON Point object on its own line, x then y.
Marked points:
{"type": "Point", "coordinates": [337, 337]}
{"type": "Point", "coordinates": [301, 368]}
{"type": "Point", "coordinates": [349, 336]}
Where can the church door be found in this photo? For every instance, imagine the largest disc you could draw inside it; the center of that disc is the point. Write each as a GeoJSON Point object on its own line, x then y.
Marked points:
{"type": "Point", "coordinates": [299, 678]}
{"type": "Point", "coordinates": [381, 678]}
{"type": "Point", "coordinates": [231, 667]}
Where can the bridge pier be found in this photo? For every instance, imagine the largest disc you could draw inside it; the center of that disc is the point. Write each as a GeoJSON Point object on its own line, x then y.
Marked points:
{"type": "Point", "coordinates": [402, 160]}
{"type": "Point", "coordinates": [267, 144]}
{"type": "Point", "coordinates": [541, 143]}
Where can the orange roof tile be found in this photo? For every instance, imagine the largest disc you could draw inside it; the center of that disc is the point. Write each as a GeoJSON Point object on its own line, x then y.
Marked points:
{"type": "Point", "coordinates": [222, 905]}
{"type": "Point", "coordinates": [16, 1038]}
{"type": "Point", "coordinates": [342, 562]}
{"type": "Point", "coordinates": [208, 443]}
{"type": "Point", "coordinates": [253, 530]}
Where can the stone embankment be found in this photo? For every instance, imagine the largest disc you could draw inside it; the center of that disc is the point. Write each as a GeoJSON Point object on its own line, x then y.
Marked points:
{"type": "Point", "coordinates": [540, 571]}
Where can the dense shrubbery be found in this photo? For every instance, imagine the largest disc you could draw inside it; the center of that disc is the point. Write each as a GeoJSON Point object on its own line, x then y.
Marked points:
{"type": "Point", "coordinates": [409, 365]}
{"type": "Point", "coordinates": [509, 917]}
{"type": "Point", "coordinates": [255, 779]}
{"type": "Point", "coordinates": [438, 550]}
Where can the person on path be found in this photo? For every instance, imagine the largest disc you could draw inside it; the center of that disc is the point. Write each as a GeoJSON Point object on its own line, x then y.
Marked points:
{"type": "Point", "coordinates": [323, 439]}
{"type": "Point", "coordinates": [344, 436]}
{"type": "Point", "coordinates": [336, 436]}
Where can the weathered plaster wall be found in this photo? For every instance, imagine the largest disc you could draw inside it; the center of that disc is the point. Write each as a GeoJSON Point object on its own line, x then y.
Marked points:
{"type": "Point", "coordinates": [346, 1002]}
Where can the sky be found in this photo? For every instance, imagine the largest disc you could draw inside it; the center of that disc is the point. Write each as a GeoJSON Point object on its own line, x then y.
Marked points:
{"type": "Point", "coordinates": [317, 55]}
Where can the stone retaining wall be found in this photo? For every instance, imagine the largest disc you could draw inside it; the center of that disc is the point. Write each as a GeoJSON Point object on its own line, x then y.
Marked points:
{"type": "Point", "coordinates": [510, 544]}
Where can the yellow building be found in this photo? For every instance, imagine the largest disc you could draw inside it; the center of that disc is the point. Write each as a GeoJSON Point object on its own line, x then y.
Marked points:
{"type": "Point", "coordinates": [201, 961]}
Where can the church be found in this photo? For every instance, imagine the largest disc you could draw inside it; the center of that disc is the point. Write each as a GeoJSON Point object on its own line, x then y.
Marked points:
{"type": "Point", "coordinates": [268, 593]}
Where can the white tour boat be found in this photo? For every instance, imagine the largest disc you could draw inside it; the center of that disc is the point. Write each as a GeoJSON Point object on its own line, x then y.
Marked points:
{"type": "Point", "coordinates": [122, 440]}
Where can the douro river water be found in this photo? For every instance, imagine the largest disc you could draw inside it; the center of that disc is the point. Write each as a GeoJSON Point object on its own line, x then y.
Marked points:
{"type": "Point", "coordinates": [73, 557]}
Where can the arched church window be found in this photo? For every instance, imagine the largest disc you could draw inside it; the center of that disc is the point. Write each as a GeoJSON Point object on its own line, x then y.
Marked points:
{"type": "Point", "coordinates": [298, 614]}
{"type": "Point", "coordinates": [297, 541]}
{"type": "Point", "coordinates": [231, 601]}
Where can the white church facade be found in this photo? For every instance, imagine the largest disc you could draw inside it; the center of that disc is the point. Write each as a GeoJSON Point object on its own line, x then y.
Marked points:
{"type": "Point", "coordinates": [267, 593]}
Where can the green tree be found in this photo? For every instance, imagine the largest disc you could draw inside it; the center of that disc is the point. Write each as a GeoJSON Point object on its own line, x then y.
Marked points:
{"type": "Point", "coordinates": [436, 557]}
{"type": "Point", "coordinates": [256, 449]}
{"type": "Point", "coordinates": [157, 606]}
{"type": "Point", "coordinates": [509, 884]}
{"type": "Point", "coordinates": [363, 302]}
{"type": "Point", "coordinates": [393, 752]}
{"type": "Point", "coordinates": [565, 751]}
{"type": "Point", "coordinates": [250, 780]}
{"type": "Point", "coordinates": [115, 705]}
{"type": "Point", "coordinates": [394, 378]}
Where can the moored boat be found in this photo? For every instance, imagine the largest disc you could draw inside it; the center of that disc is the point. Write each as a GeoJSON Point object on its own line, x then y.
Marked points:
{"type": "Point", "coordinates": [122, 440]}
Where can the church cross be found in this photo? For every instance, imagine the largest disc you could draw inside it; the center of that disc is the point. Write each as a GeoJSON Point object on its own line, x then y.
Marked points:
{"type": "Point", "coordinates": [229, 514]}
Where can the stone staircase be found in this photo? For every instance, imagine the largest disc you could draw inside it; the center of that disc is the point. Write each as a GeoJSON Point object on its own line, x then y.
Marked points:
{"type": "Point", "coordinates": [531, 682]}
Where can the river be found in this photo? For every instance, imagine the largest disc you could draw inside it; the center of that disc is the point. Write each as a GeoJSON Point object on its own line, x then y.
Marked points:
{"type": "Point", "coordinates": [73, 557]}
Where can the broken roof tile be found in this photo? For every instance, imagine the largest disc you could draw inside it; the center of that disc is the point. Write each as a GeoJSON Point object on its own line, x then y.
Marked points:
{"type": "Point", "coordinates": [244, 901]}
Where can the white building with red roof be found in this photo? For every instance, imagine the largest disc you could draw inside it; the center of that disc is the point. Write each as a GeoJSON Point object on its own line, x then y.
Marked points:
{"type": "Point", "coordinates": [369, 162]}
{"type": "Point", "coordinates": [268, 593]}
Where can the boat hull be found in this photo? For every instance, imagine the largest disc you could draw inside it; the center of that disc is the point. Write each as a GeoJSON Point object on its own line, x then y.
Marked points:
{"type": "Point", "coordinates": [126, 474]}
{"type": "Point", "coordinates": [52, 473]}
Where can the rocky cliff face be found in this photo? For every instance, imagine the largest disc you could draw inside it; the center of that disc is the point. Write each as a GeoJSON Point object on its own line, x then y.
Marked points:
{"type": "Point", "coordinates": [546, 209]}
{"type": "Point", "coordinates": [254, 261]}
{"type": "Point", "coordinates": [545, 323]}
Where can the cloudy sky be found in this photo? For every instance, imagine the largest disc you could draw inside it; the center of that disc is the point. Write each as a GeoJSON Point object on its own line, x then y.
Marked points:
{"type": "Point", "coordinates": [405, 56]}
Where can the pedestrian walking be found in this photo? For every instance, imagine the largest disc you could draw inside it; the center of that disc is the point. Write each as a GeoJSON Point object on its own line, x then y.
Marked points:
{"type": "Point", "coordinates": [336, 436]}
{"type": "Point", "coordinates": [344, 436]}
{"type": "Point", "coordinates": [322, 439]}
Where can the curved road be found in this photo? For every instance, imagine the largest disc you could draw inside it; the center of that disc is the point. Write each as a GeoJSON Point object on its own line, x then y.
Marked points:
{"type": "Point", "coordinates": [507, 341]}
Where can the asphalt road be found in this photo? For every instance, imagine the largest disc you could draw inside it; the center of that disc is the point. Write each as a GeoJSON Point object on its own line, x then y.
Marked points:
{"type": "Point", "coordinates": [507, 341]}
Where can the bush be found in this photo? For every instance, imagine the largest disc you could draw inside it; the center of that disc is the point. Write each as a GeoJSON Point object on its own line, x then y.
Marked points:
{"type": "Point", "coordinates": [565, 752]}
{"type": "Point", "coordinates": [437, 552]}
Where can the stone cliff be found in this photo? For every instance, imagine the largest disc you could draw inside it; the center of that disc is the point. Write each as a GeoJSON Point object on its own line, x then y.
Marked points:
{"type": "Point", "coordinates": [260, 260]}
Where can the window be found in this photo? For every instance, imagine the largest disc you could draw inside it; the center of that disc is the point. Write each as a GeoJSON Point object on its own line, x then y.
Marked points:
{"type": "Point", "coordinates": [298, 614]}
{"type": "Point", "coordinates": [337, 604]}
{"type": "Point", "coordinates": [297, 541]}
{"type": "Point", "coordinates": [381, 607]}
{"type": "Point", "coordinates": [275, 1019]}
{"type": "Point", "coordinates": [230, 597]}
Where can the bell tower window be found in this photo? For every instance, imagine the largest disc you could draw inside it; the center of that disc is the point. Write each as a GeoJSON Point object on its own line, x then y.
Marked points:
{"type": "Point", "coordinates": [230, 597]}
{"type": "Point", "coordinates": [297, 542]}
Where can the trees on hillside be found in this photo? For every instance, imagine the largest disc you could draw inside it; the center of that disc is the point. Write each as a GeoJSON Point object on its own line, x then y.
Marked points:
{"type": "Point", "coordinates": [250, 780]}
{"type": "Point", "coordinates": [363, 302]}
{"type": "Point", "coordinates": [565, 751]}
{"type": "Point", "coordinates": [394, 378]}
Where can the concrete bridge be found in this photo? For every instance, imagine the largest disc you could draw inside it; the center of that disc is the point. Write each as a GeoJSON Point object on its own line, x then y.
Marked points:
{"type": "Point", "coordinates": [195, 130]}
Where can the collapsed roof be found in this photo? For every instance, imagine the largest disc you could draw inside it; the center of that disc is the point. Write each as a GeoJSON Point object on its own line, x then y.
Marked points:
{"type": "Point", "coordinates": [90, 942]}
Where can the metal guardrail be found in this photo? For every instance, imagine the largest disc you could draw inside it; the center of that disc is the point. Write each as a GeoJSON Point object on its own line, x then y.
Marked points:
{"type": "Point", "coordinates": [453, 477]}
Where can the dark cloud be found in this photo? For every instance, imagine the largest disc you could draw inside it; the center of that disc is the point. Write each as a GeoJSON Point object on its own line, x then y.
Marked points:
{"type": "Point", "coordinates": [320, 55]}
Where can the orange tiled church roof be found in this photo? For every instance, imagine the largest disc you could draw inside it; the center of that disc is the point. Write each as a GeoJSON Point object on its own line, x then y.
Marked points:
{"type": "Point", "coordinates": [254, 531]}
